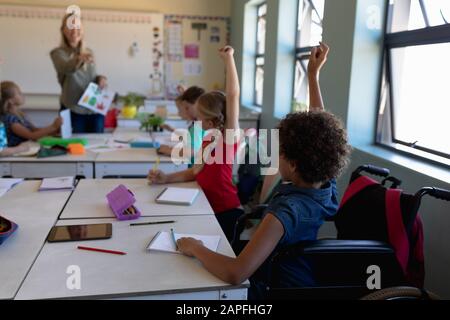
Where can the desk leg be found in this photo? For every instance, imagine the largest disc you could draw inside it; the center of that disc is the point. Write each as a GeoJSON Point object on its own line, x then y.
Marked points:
{"type": "Point", "coordinates": [5, 169]}
{"type": "Point", "coordinates": [85, 170]}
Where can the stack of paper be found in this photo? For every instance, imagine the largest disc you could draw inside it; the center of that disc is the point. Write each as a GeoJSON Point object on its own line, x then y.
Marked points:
{"type": "Point", "coordinates": [61, 183]}
{"type": "Point", "coordinates": [163, 241]}
{"type": "Point", "coordinates": [7, 184]}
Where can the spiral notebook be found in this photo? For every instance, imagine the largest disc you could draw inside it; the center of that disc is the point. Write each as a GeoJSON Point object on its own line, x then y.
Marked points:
{"type": "Point", "coordinates": [178, 196]}
{"type": "Point", "coordinates": [163, 241]}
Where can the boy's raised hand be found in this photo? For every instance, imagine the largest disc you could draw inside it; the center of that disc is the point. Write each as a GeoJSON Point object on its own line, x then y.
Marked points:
{"type": "Point", "coordinates": [226, 52]}
{"type": "Point", "coordinates": [317, 59]}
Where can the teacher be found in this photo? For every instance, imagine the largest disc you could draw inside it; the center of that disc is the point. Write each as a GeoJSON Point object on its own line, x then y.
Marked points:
{"type": "Point", "coordinates": [75, 69]}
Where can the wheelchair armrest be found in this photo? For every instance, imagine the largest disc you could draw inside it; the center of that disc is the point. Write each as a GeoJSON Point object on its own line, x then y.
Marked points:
{"type": "Point", "coordinates": [333, 247]}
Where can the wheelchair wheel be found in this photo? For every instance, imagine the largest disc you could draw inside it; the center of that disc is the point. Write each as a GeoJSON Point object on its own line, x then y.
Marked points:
{"type": "Point", "coordinates": [401, 293]}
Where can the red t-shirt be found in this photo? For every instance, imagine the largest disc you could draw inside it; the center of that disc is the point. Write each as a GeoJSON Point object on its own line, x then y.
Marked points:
{"type": "Point", "coordinates": [216, 179]}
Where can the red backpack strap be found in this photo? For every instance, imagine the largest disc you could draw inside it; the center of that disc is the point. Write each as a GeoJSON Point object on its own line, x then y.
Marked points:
{"type": "Point", "coordinates": [396, 229]}
{"type": "Point", "coordinates": [355, 187]}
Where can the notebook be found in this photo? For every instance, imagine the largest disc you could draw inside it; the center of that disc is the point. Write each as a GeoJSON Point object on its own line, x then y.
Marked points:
{"type": "Point", "coordinates": [6, 184]}
{"type": "Point", "coordinates": [66, 128]}
{"type": "Point", "coordinates": [163, 241]}
{"type": "Point", "coordinates": [61, 183]}
{"type": "Point", "coordinates": [177, 196]}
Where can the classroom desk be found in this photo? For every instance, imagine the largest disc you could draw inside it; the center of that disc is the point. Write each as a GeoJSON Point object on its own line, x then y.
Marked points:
{"type": "Point", "coordinates": [134, 161]}
{"type": "Point", "coordinates": [139, 274]}
{"type": "Point", "coordinates": [66, 165]}
{"type": "Point", "coordinates": [35, 213]}
{"type": "Point", "coordinates": [89, 200]}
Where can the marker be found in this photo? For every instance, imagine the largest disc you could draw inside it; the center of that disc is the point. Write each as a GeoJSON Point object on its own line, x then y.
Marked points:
{"type": "Point", "coordinates": [102, 250]}
{"type": "Point", "coordinates": [173, 238]}
{"type": "Point", "coordinates": [154, 222]}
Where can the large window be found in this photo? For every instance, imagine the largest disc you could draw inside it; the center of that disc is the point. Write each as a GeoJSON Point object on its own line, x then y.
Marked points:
{"type": "Point", "coordinates": [414, 113]}
{"type": "Point", "coordinates": [260, 52]}
{"type": "Point", "coordinates": [309, 34]}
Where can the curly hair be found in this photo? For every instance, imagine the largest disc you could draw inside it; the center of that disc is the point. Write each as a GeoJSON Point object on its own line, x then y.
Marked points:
{"type": "Point", "coordinates": [316, 143]}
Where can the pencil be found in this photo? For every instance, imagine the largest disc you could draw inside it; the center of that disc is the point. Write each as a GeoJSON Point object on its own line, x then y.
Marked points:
{"type": "Point", "coordinates": [173, 238]}
{"type": "Point", "coordinates": [153, 222]}
{"type": "Point", "coordinates": [102, 250]}
{"type": "Point", "coordinates": [155, 168]}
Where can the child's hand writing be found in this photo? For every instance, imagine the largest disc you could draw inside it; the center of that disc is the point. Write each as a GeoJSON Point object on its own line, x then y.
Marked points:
{"type": "Point", "coordinates": [157, 176]}
{"type": "Point", "coordinates": [318, 58]}
{"type": "Point", "coordinates": [187, 245]}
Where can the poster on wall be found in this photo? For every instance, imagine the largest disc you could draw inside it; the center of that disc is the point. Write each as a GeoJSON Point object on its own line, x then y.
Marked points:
{"type": "Point", "coordinates": [192, 68]}
{"type": "Point", "coordinates": [192, 51]}
{"type": "Point", "coordinates": [174, 41]}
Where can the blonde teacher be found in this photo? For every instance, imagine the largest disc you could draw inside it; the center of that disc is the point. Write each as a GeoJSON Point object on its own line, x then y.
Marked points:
{"type": "Point", "coordinates": [75, 68]}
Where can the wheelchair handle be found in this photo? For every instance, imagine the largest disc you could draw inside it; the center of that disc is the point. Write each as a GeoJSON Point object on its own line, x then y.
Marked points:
{"type": "Point", "coordinates": [383, 172]}
{"type": "Point", "coordinates": [437, 193]}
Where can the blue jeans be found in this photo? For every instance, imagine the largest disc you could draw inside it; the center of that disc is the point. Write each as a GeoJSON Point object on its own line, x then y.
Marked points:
{"type": "Point", "coordinates": [86, 123]}
{"type": "Point", "coordinates": [90, 123]}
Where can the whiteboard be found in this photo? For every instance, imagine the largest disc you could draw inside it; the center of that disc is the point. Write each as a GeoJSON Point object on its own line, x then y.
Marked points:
{"type": "Point", "coordinates": [28, 34]}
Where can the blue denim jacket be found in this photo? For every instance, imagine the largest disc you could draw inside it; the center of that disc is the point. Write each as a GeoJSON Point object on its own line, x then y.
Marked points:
{"type": "Point", "coordinates": [301, 212]}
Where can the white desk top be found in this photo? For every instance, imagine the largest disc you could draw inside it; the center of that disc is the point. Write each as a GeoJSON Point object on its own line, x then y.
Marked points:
{"type": "Point", "coordinates": [35, 213]}
{"type": "Point", "coordinates": [89, 199]}
{"type": "Point", "coordinates": [139, 272]}
{"type": "Point", "coordinates": [89, 156]}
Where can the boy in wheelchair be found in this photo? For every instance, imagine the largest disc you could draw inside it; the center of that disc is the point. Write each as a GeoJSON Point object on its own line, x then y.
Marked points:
{"type": "Point", "coordinates": [313, 152]}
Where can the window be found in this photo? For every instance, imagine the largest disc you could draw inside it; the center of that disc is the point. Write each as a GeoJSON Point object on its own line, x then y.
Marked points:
{"type": "Point", "coordinates": [309, 34]}
{"type": "Point", "coordinates": [414, 114]}
{"type": "Point", "coordinates": [260, 51]}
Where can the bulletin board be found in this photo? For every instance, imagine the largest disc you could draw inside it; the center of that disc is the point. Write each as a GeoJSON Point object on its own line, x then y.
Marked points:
{"type": "Point", "coordinates": [191, 52]}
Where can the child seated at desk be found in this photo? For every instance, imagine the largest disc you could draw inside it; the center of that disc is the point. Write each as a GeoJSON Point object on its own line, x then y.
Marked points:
{"type": "Point", "coordinates": [313, 152]}
{"type": "Point", "coordinates": [186, 110]}
{"type": "Point", "coordinates": [18, 128]}
{"type": "Point", "coordinates": [217, 112]}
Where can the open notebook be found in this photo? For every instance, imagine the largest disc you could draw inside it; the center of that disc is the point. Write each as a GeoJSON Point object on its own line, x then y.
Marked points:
{"type": "Point", "coordinates": [178, 196]}
{"type": "Point", "coordinates": [163, 241]}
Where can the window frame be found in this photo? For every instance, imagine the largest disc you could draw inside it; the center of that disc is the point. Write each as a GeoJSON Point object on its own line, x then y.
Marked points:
{"type": "Point", "coordinates": [259, 55]}
{"type": "Point", "coordinates": [397, 40]}
{"type": "Point", "coordinates": [302, 53]}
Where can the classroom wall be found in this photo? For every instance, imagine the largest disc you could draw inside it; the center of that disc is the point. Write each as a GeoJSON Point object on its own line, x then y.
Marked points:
{"type": "Point", "coordinates": [190, 7]}
{"type": "Point", "coordinates": [350, 83]}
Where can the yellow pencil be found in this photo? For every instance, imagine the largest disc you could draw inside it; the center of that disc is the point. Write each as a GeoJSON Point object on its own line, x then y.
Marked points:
{"type": "Point", "coordinates": [155, 168]}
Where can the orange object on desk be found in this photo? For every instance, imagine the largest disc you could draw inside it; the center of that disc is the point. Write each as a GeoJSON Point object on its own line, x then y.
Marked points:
{"type": "Point", "coordinates": [76, 149]}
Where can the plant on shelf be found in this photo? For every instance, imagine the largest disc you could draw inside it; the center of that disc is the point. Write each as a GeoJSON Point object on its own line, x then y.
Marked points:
{"type": "Point", "coordinates": [131, 102]}
{"type": "Point", "coordinates": [150, 122]}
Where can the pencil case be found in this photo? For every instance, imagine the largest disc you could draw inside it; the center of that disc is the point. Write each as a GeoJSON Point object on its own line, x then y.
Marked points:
{"type": "Point", "coordinates": [121, 200]}
{"type": "Point", "coordinates": [148, 145]}
{"type": "Point", "coordinates": [7, 228]}
{"type": "Point", "coordinates": [52, 141]}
